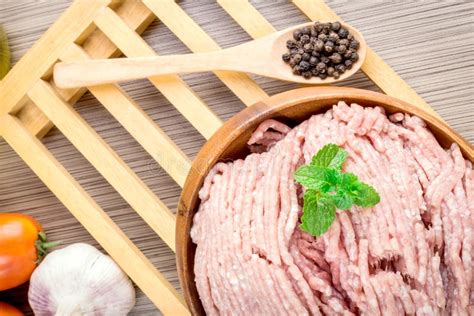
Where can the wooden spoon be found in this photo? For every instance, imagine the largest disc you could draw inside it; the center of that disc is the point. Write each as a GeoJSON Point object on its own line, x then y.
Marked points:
{"type": "Point", "coordinates": [260, 57]}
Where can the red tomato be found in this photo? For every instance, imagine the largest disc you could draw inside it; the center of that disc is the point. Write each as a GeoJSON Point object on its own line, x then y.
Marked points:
{"type": "Point", "coordinates": [8, 310]}
{"type": "Point", "coordinates": [22, 244]}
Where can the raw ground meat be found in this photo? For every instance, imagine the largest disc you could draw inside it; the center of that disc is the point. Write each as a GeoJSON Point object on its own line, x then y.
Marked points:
{"type": "Point", "coordinates": [410, 254]}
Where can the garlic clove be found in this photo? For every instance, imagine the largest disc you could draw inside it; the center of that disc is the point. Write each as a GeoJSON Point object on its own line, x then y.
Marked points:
{"type": "Point", "coordinates": [80, 280]}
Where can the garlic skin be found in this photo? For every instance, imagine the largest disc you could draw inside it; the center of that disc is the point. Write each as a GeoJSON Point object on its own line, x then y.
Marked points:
{"type": "Point", "coordinates": [80, 280]}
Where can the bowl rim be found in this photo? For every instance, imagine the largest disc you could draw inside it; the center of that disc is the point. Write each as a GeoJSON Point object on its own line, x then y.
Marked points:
{"type": "Point", "coordinates": [252, 116]}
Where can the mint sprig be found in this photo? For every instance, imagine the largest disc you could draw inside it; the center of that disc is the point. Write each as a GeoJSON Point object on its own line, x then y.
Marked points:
{"type": "Point", "coordinates": [328, 188]}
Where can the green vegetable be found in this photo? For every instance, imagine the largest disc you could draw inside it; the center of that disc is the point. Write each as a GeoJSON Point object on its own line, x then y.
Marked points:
{"type": "Point", "coordinates": [4, 54]}
{"type": "Point", "coordinates": [328, 188]}
{"type": "Point", "coordinates": [330, 156]}
{"type": "Point", "coordinates": [319, 212]}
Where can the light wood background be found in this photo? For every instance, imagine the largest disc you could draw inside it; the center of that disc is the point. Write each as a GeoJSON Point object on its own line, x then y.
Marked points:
{"type": "Point", "coordinates": [430, 44]}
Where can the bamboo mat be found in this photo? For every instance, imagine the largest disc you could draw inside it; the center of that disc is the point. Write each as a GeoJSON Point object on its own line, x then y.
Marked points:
{"type": "Point", "coordinates": [430, 44]}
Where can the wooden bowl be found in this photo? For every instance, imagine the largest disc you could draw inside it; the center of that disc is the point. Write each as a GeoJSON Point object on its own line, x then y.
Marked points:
{"type": "Point", "coordinates": [229, 142]}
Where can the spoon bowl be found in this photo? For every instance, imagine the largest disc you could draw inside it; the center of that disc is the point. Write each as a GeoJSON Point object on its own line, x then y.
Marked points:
{"type": "Point", "coordinates": [262, 57]}
{"type": "Point", "coordinates": [283, 70]}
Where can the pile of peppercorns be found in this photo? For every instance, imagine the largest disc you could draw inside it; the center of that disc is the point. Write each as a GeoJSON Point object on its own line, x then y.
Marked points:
{"type": "Point", "coordinates": [321, 50]}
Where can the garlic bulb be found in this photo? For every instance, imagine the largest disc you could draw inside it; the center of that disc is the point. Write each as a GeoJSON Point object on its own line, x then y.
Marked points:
{"type": "Point", "coordinates": [80, 280]}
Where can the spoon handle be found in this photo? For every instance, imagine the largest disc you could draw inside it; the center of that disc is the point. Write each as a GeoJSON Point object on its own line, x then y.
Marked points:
{"type": "Point", "coordinates": [102, 71]}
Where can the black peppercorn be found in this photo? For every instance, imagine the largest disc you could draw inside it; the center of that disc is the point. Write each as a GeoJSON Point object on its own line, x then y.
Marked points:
{"type": "Point", "coordinates": [322, 75]}
{"type": "Point", "coordinates": [330, 71]}
{"type": "Point", "coordinates": [354, 57]}
{"type": "Point", "coordinates": [348, 54]}
{"type": "Point", "coordinates": [319, 45]}
{"type": "Point", "coordinates": [314, 71]}
{"type": "Point", "coordinates": [328, 46]}
{"type": "Point", "coordinates": [300, 51]}
{"type": "Point", "coordinates": [296, 70]}
{"type": "Point", "coordinates": [335, 26]}
{"type": "Point", "coordinates": [343, 33]}
{"type": "Point", "coordinates": [317, 26]}
{"type": "Point", "coordinates": [325, 60]}
{"type": "Point", "coordinates": [286, 57]}
{"type": "Point", "coordinates": [306, 57]}
{"type": "Point", "coordinates": [304, 39]}
{"type": "Point", "coordinates": [315, 54]}
{"type": "Point", "coordinates": [308, 48]}
{"type": "Point", "coordinates": [292, 62]}
{"type": "Point", "coordinates": [297, 35]}
{"type": "Point", "coordinates": [344, 41]}
{"type": "Point", "coordinates": [297, 58]}
{"type": "Point", "coordinates": [313, 61]}
{"type": "Point", "coordinates": [293, 51]}
{"type": "Point", "coordinates": [333, 37]}
{"type": "Point", "coordinates": [314, 32]}
{"type": "Point", "coordinates": [306, 30]}
{"type": "Point", "coordinates": [354, 44]}
{"type": "Point", "coordinates": [307, 74]}
{"type": "Point", "coordinates": [290, 44]}
{"type": "Point", "coordinates": [304, 65]}
{"type": "Point", "coordinates": [323, 37]}
{"type": "Point", "coordinates": [321, 67]}
{"type": "Point", "coordinates": [341, 49]}
{"type": "Point", "coordinates": [348, 64]}
{"type": "Point", "coordinates": [350, 37]}
{"type": "Point", "coordinates": [335, 74]}
{"type": "Point", "coordinates": [335, 58]}
{"type": "Point", "coordinates": [340, 68]}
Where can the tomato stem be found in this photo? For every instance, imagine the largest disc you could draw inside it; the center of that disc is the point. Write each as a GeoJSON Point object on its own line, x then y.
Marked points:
{"type": "Point", "coordinates": [42, 245]}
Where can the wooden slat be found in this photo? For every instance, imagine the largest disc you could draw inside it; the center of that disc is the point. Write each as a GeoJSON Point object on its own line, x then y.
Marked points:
{"type": "Point", "coordinates": [172, 87]}
{"type": "Point", "coordinates": [247, 17]}
{"type": "Point", "coordinates": [198, 41]}
{"type": "Point", "coordinates": [129, 114]}
{"type": "Point", "coordinates": [92, 217]}
{"type": "Point", "coordinates": [105, 160]}
{"type": "Point", "coordinates": [374, 66]}
{"type": "Point", "coordinates": [34, 120]}
{"type": "Point", "coordinates": [136, 15]}
{"type": "Point", "coordinates": [45, 52]}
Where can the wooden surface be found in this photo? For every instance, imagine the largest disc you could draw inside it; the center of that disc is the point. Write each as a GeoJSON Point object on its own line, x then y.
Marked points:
{"type": "Point", "coordinates": [230, 142]}
{"type": "Point", "coordinates": [429, 44]}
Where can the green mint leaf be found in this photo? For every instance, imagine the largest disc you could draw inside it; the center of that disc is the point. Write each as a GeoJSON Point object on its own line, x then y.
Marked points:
{"type": "Point", "coordinates": [330, 156]}
{"type": "Point", "coordinates": [317, 178]}
{"type": "Point", "coordinates": [361, 193]}
{"type": "Point", "coordinates": [343, 200]}
{"type": "Point", "coordinates": [348, 179]}
{"type": "Point", "coordinates": [350, 184]}
{"type": "Point", "coordinates": [365, 196]}
{"type": "Point", "coordinates": [319, 212]}
{"type": "Point", "coordinates": [310, 176]}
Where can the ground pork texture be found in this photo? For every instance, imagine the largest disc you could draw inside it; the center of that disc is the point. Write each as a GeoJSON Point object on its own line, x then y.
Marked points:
{"type": "Point", "coordinates": [410, 254]}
